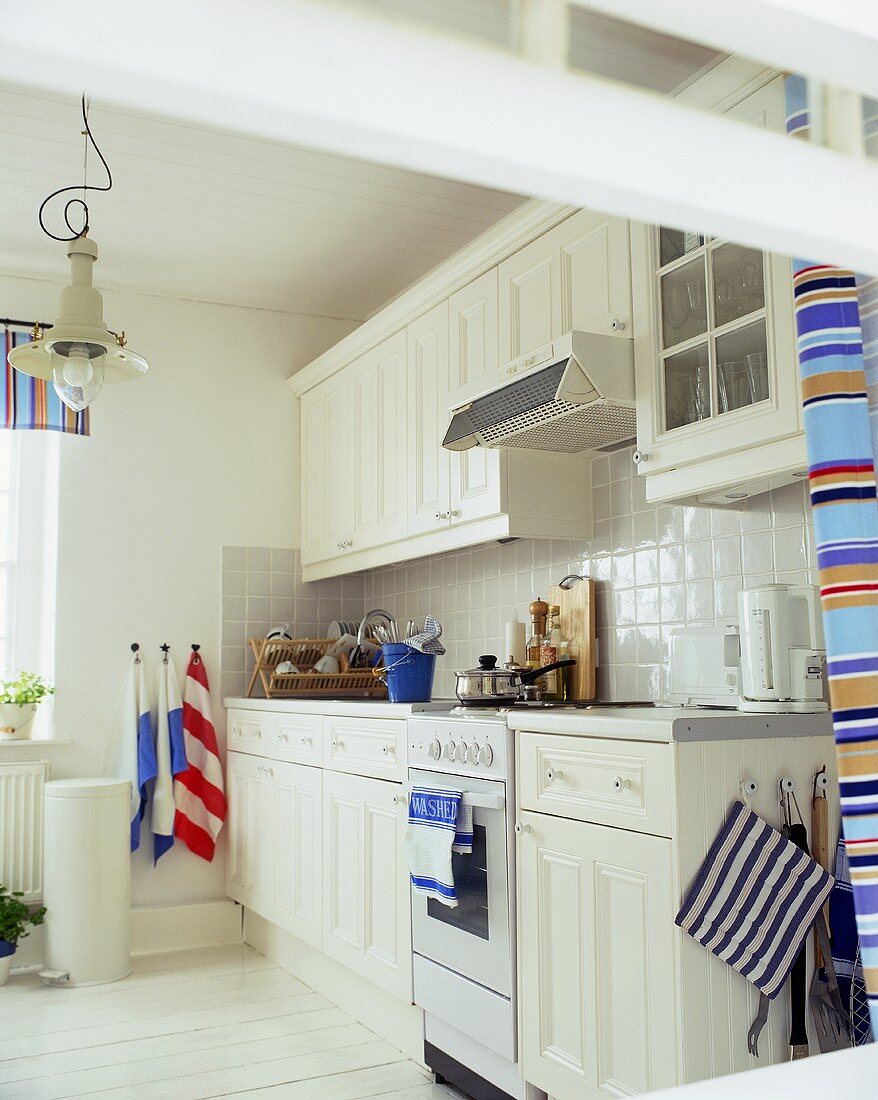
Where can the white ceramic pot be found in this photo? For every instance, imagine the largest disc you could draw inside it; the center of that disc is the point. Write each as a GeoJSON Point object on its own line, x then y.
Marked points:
{"type": "Point", "coordinates": [15, 719]}
{"type": "Point", "coordinates": [5, 964]}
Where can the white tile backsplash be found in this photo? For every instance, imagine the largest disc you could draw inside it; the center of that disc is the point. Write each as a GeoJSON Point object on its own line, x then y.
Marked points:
{"type": "Point", "coordinates": [654, 568]}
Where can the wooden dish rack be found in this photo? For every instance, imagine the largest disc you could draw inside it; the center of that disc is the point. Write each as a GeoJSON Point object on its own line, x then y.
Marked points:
{"type": "Point", "coordinates": [304, 653]}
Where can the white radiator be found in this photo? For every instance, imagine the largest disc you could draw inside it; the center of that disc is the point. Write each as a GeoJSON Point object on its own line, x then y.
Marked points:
{"type": "Point", "coordinates": [21, 827]}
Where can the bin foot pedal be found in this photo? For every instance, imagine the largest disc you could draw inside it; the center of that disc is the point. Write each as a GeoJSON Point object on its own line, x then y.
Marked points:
{"type": "Point", "coordinates": [55, 977]}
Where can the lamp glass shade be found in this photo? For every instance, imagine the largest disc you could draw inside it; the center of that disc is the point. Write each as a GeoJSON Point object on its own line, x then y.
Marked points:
{"type": "Point", "coordinates": [77, 376]}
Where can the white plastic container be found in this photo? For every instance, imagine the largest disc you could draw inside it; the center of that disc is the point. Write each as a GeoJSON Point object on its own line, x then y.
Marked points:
{"type": "Point", "coordinates": [87, 879]}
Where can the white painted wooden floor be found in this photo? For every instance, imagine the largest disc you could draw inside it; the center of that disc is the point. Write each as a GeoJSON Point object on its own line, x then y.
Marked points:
{"type": "Point", "coordinates": [220, 1021]}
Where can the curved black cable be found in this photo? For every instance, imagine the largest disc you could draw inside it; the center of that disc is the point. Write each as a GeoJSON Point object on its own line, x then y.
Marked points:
{"type": "Point", "coordinates": [76, 233]}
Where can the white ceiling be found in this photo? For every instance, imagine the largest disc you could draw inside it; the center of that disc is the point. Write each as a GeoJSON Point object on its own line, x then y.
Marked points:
{"type": "Point", "coordinates": [202, 214]}
{"type": "Point", "coordinates": [199, 214]}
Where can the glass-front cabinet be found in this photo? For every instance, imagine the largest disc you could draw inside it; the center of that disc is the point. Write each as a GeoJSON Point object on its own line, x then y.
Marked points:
{"type": "Point", "coordinates": [717, 373]}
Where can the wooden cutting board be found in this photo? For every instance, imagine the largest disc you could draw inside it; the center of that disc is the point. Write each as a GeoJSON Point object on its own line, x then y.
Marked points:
{"type": "Point", "coordinates": [577, 625]}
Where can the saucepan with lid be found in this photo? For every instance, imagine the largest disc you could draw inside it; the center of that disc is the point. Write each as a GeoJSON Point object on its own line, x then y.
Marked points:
{"type": "Point", "coordinates": [489, 686]}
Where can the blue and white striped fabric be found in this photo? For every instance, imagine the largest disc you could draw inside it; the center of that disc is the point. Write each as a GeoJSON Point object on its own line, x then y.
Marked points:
{"type": "Point", "coordinates": [463, 835]}
{"type": "Point", "coordinates": [754, 900]}
{"type": "Point", "coordinates": [170, 753]}
{"type": "Point", "coordinates": [428, 841]}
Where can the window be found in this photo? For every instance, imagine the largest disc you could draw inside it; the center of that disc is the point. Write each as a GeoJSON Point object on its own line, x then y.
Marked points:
{"type": "Point", "coordinates": [28, 549]}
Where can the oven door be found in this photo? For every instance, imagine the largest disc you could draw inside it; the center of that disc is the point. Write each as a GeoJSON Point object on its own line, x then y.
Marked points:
{"type": "Point", "coordinates": [473, 938]}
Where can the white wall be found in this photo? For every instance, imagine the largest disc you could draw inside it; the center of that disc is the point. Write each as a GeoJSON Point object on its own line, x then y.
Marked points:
{"type": "Point", "coordinates": [200, 453]}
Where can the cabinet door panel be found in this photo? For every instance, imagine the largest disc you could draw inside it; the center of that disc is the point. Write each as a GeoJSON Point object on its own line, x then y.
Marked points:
{"type": "Point", "coordinates": [594, 272]}
{"type": "Point", "coordinates": [598, 988]}
{"type": "Point", "coordinates": [297, 851]}
{"type": "Point", "coordinates": [367, 918]}
{"type": "Point", "coordinates": [530, 313]}
{"type": "Point", "coordinates": [477, 484]}
{"type": "Point", "coordinates": [473, 330]}
{"type": "Point", "coordinates": [313, 490]}
{"type": "Point", "coordinates": [428, 419]}
{"type": "Point", "coordinates": [250, 832]}
{"type": "Point", "coordinates": [378, 382]}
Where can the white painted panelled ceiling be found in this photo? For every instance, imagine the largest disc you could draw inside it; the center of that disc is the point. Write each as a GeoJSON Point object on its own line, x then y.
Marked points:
{"type": "Point", "coordinates": [208, 215]}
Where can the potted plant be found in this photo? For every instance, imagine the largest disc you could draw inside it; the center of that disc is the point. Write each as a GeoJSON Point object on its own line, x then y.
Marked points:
{"type": "Point", "coordinates": [14, 919]}
{"type": "Point", "coordinates": [19, 699]}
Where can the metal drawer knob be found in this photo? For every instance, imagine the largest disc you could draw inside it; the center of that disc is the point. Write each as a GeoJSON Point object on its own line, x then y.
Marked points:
{"type": "Point", "coordinates": [552, 774]}
{"type": "Point", "coordinates": [620, 784]}
{"type": "Point", "coordinates": [283, 737]}
{"type": "Point", "coordinates": [521, 828]}
{"type": "Point", "coordinates": [387, 749]}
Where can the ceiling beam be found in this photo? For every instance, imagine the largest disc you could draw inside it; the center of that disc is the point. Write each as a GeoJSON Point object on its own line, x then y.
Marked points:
{"type": "Point", "coordinates": [835, 41]}
{"type": "Point", "coordinates": [347, 81]}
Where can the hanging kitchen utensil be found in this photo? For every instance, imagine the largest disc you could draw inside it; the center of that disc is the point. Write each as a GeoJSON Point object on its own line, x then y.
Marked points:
{"type": "Point", "coordinates": [751, 867]}
{"type": "Point", "coordinates": [830, 1016]}
{"type": "Point", "coordinates": [489, 686]}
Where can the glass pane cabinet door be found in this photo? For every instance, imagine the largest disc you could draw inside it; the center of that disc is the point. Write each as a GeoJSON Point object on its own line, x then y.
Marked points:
{"type": "Point", "coordinates": [714, 346]}
{"type": "Point", "coordinates": [687, 387]}
{"type": "Point", "coordinates": [684, 303]}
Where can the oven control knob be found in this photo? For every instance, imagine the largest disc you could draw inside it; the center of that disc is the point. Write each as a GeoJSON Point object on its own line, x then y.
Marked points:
{"type": "Point", "coordinates": [434, 749]}
{"type": "Point", "coordinates": [472, 754]}
{"type": "Point", "coordinates": [448, 750]}
{"type": "Point", "coordinates": [486, 755]}
{"type": "Point", "coordinates": [460, 753]}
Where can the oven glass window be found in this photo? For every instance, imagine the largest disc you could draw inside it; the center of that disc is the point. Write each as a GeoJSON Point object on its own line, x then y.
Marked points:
{"type": "Point", "coordinates": [471, 884]}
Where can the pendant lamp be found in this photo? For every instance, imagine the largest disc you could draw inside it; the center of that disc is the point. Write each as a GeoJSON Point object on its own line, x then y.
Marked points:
{"type": "Point", "coordinates": [78, 352]}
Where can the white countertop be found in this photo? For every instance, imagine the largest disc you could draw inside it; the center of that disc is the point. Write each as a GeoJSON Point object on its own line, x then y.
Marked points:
{"type": "Point", "coordinates": [339, 708]}
{"type": "Point", "coordinates": [670, 723]}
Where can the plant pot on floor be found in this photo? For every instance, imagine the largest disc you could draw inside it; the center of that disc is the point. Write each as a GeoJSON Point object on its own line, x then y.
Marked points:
{"type": "Point", "coordinates": [7, 950]}
{"type": "Point", "coordinates": [15, 720]}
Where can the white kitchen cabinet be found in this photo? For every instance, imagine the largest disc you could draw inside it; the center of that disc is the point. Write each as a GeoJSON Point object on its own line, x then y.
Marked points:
{"type": "Point", "coordinates": [327, 475]}
{"type": "Point", "coordinates": [576, 276]}
{"type": "Point", "coordinates": [297, 902]}
{"type": "Point", "coordinates": [716, 367]}
{"type": "Point", "coordinates": [249, 869]}
{"type": "Point", "coordinates": [596, 955]}
{"type": "Point", "coordinates": [429, 396]}
{"type": "Point", "coordinates": [378, 454]}
{"type": "Point", "coordinates": [366, 906]}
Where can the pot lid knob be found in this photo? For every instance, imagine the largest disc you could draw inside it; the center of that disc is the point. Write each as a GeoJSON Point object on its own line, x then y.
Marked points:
{"type": "Point", "coordinates": [488, 662]}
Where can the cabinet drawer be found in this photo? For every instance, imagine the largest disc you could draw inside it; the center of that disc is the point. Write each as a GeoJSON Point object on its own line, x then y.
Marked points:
{"type": "Point", "coordinates": [250, 731]}
{"type": "Point", "coordinates": [299, 738]}
{"type": "Point", "coordinates": [620, 783]}
{"type": "Point", "coordinates": [366, 746]}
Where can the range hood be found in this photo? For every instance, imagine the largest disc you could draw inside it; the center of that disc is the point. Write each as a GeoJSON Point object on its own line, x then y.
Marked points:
{"type": "Point", "coordinates": [575, 394]}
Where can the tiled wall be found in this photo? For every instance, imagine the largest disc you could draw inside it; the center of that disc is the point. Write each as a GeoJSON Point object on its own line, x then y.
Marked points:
{"type": "Point", "coordinates": [655, 568]}
{"type": "Point", "coordinates": [262, 588]}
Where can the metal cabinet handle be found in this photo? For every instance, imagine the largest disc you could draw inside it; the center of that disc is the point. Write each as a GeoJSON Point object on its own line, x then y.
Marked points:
{"type": "Point", "coordinates": [521, 828]}
{"type": "Point", "coordinates": [552, 774]}
{"type": "Point", "coordinates": [620, 784]}
{"type": "Point", "coordinates": [307, 739]}
{"type": "Point", "coordinates": [454, 513]}
{"type": "Point", "coordinates": [617, 325]}
{"type": "Point", "coordinates": [283, 737]}
{"type": "Point", "coordinates": [388, 748]}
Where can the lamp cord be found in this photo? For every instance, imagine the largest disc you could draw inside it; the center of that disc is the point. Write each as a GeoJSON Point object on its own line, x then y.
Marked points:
{"type": "Point", "coordinates": [85, 186]}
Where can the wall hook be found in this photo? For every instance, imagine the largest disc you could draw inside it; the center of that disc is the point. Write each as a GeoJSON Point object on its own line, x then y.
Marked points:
{"type": "Point", "coordinates": [165, 648]}
{"type": "Point", "coordinates": [135, 648]}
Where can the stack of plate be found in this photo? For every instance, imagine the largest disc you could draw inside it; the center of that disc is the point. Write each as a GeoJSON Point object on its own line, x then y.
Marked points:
{"type": "Point", "coordinates": [338, 627]}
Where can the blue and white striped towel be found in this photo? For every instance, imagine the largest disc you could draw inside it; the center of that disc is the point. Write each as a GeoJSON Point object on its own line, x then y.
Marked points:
{"type": "Point", "coordinates": [754, 899]}
{"type": "Point", "coordinates": [430, 838]}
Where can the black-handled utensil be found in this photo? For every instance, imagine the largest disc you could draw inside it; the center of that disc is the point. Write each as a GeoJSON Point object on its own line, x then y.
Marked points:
{"type": "Point", "coordinates": [798, 834]}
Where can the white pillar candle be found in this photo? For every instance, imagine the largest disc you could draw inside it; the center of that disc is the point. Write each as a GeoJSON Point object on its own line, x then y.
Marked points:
{"type": "Point", "coordinates": [515, 642]}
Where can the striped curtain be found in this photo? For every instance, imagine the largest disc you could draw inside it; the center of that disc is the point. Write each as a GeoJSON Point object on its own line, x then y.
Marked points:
{"type": "Point", "coordinates": [31, 403]}
{"type": "Point", "coordinates": [837, 334]}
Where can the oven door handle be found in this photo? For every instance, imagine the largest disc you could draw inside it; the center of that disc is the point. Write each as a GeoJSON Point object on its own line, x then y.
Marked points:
{"type": "Point", "coordinates": [487, 801]}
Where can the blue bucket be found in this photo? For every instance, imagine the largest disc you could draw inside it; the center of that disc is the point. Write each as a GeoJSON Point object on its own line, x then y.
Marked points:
{"type": "Point", "coordinates": [409, 673]}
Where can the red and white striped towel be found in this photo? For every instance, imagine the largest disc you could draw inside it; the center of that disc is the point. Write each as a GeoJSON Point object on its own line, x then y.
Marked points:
{"type": "Point", "coordinates": [199, 793]}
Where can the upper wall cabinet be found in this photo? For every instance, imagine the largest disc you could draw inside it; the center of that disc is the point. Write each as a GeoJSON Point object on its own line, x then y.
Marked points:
{"type": "Point", "coordinates": [576, 276]}
{"type": "Point", "coordinates": [715, 356]}
{"type": "Point", "coordinates": [327, 418]}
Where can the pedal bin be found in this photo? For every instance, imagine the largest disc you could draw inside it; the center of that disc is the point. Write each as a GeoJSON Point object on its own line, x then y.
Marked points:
{"type": "Point", "coordinates": [87, 879]}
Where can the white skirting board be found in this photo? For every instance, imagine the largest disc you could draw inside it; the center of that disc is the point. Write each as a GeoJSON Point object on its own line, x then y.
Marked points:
{"type": "Point", "coordinates": [176, 927]}
{"type": "Point", "coordinates": [160, 928]}
{"type": "Point", "coordinates": [400, 1024]}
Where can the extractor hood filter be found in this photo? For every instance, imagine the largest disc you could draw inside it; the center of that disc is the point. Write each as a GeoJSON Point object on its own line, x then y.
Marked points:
{"type": "Point", "coordinates": [557, 405]}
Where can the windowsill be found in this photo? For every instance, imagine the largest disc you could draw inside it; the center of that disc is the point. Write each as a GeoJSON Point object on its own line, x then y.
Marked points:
{"type": "Point", "coordinates": [22, 742]}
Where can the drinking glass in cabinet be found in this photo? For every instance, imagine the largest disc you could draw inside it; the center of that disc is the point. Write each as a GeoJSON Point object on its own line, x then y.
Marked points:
{"type": "Point", "coordinates": [687, 387]}
{"type": "Point", "coordinates": [738, 282]}
{"type": "Point", "coordinates": [742, 367]}
{"type": "Point", "coordinates": [674, 243]}
{"type": "Point", "coordinates": [684, 305]}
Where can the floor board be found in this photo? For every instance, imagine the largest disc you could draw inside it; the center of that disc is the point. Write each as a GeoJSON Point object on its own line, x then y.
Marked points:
{"type": "Point", "coordinates": [193, 1025]}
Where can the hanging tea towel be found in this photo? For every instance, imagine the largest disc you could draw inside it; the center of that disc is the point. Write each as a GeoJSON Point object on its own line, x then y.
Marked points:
{"type": "Point", "coordinates": [754, 900]}
{"type": "Point", "coordinates": [428, 841]}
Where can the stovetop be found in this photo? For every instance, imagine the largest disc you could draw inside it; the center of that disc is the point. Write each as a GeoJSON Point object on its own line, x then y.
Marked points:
{"type": "Point", "coordinates": [550, 704]}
